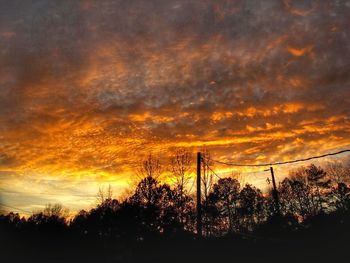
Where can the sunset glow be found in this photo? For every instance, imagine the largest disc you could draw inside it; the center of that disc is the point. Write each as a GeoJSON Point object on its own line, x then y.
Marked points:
{"type": "Point", "coordinates": [90, 88]}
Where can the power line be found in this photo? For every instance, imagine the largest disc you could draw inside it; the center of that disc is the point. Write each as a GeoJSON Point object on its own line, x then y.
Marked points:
{"type": "Point", "coordinates": [279, 163]}
{"type": "Point", "coordinates": [255, 172]}
{"type": "Point", "coordinates": [215, 173]}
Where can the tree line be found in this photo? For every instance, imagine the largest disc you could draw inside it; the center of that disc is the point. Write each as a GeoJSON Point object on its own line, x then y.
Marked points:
{"type": "Point", "coordinates": [158, 210]}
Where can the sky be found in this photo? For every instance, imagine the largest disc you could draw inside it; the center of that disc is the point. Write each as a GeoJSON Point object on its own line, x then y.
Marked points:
{"type": "Point", "coordinates": [89, 88]}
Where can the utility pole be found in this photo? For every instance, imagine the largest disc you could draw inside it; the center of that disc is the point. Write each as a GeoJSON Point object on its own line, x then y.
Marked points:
{"type": "Point", "coordinates": [275, 193]}
{"type": "Point", "coordinates": [199, 203]}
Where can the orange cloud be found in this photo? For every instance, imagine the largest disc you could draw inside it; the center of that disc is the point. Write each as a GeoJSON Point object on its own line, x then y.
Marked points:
{"type": "Point", "coordinates": [299, 52]}
{"type": "Point", "coordinates": [218, 116]}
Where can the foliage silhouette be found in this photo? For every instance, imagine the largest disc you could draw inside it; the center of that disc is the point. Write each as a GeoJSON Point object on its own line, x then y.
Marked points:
{"type": "Point", "coordinates": [157, 220]}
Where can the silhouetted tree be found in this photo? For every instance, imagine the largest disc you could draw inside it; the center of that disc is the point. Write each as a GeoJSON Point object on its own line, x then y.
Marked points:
{"type": "Point", "coordinates": [342, 197]}
{"type": "Point", "coordinates": [207, 175]}
{"type": "Point", "coordinates": [318, 181]}
{"type": "Point", "coordinates": [251, 207]}
{"type": "Point", "coordinates": [11, 222]}
{"type": "Point", "coordinates": [181, 168]}
{"type": "Point", "coordinates": [157, 206]}
{"type": "Point", "coordinates": [104, 195]}
{"type": "Point", "coordinates": [225, 197]}
{"type": "Point", "coordinates": [146, 192]}
{"type": "Point", "coordinates": [296, 198]}
{"type": "Point", "coordinates": [52, 219]}
{"type": "Point", "coordinates": [209, 210]}
{"type": "Point", "coordinates": [156, 212]}
{"type": "Point", "coordinates": [56, 210]}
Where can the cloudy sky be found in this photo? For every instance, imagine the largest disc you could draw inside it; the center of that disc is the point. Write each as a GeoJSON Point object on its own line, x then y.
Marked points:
{"type": "Point", "coordinates": [88, 88]}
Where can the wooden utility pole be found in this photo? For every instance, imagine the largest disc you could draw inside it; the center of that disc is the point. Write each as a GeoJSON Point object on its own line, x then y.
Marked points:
{"type": "Point", "coordinates": [275, 193]}
{"type": "Point", "coordinates": [199, 203]}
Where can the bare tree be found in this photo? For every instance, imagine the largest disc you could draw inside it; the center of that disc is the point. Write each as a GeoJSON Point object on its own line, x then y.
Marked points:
{"type": "Point", "coordinates": [55, 210]}
{"type": "Point", "coordinates": [207, 178]}
{"type": "Point", "coordinates": [239, 177]}
{"type": "Point", "coordinates": [207, 174]}
{"type": "Point", "coordinates": [104, 195]}
{"type": "Point", "coordinates": [337, 172]}
{"type": "Point", "coordinates": [181, 171]}
{"type": "Point", "coordinates": [299, 174]}
{"type": "Point", "coordinates": [150, 167]}
{"type": "Point", "coordinates": [181, 168]}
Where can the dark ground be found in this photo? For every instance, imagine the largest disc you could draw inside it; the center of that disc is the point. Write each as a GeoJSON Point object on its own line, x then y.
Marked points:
{"type": "Point", "coordinates": [329, 245]}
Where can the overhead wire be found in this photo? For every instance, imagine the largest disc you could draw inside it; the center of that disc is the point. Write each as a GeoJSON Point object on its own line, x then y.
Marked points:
{"type": "Point", "coordinates": [278, 163]}
{"type": "Point", "coordinates": [210, 159]}
{"type": "Point", "coordinates": [269, 164]}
